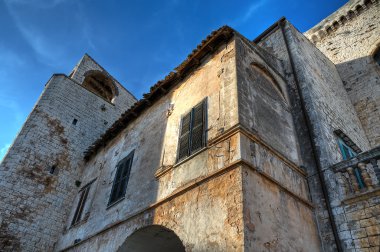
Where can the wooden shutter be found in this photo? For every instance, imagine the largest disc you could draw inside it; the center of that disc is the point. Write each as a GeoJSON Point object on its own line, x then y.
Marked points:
{"type": "Point", "coordinates": [197, 127]}
{"type": "Point", "coordinates": [192, 134]}
{"type": "Point", "coordinates": [184, 139]}
{"type": "Point", "coordinates": [121, 179]}
{"type": "Point", "coordinates": [80, 207]}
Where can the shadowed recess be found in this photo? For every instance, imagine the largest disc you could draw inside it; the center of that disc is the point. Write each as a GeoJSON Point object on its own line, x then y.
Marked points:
{"type": "Point", "coordinates": [153, 238]}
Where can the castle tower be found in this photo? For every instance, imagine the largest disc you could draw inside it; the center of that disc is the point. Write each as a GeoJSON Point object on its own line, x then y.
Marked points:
{"type": "Point", "coordinates": [350, 39]}
{"type": "Point", "coordinates": [40, 172]}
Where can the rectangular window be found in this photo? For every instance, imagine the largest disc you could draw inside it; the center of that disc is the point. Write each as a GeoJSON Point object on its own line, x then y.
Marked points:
{"type": "Point", "coordinates": [347, 151]}
{"type": "Point", "coordinates": [82, 201]}
{"type": "Point", "coordinates": [192, 134]}
{"type": "Point", "coordinates": [120, 181]}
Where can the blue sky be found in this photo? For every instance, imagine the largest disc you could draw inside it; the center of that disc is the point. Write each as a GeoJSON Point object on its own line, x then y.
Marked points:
{"type": "Point", "coordinates": [138, 42]}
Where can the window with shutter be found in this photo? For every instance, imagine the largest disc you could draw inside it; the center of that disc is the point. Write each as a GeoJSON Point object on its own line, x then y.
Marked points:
{"type": "Point", "coordinates": [192, 134]}
{"type": "Point", "coordinates": [120, 181]}
{"type": "Point", "coordinates": [81, 204]}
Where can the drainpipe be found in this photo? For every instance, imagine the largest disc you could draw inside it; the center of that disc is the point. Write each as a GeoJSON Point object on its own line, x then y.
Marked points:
{"type": "Point", "coordinates": [312, 135]}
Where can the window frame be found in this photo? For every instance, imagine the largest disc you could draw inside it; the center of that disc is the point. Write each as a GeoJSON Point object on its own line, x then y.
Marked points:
{"type": "Point", "coordinates": [191, 152]}
{"type": "Point", "coordinates": [84, 193]}
{"type": "Point", "coordinates": [111, 201]}
{"type": "Point", "coordinates": [346, 151]}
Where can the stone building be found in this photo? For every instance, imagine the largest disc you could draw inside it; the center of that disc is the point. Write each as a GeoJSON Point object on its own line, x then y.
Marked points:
{"type": "Point", "coordinates": [249, 145]}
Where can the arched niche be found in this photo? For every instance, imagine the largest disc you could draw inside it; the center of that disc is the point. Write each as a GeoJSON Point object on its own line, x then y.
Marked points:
{"type": "Point", "coordinates": [359, 9]}
{"type": "Point", "coordinates": [154, 238]}
{"type": "Point", "coordinates": [335, 24]}
{"type": "Point", "coordinates": [263, 71]}
{"type": "Point", "coordinates": [367, 3]}
{"type": "Point", "coordinates": [100, 84]}
{"type": "Point", "coordinates": [343, 19]}
{"type": "Point", "coordinates": [351, 14]}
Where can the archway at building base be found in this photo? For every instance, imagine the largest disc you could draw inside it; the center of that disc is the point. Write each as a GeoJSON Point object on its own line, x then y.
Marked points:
{"type": "Point", "coordinates": [153, 238]}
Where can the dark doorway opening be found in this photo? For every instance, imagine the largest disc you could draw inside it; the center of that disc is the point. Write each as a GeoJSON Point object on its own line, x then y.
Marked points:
{"type": "Point", "coordinates": [152, 238]}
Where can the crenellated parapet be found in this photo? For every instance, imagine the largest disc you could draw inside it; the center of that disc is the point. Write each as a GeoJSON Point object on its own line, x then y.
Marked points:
{"type": "Point", "coordinates": [341, 17]}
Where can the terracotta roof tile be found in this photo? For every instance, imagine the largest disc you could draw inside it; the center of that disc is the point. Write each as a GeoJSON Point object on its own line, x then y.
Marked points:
{"type": "Point", "coordinates": [161, 88]}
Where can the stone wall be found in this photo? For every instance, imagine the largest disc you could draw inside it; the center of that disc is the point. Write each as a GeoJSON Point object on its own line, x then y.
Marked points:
{"type": "Point", "coordinates": [207, 217]}
{"type": "Point", "coordinates": [264, 105]}
{"type": "Point", "coordinates": [41, 170]}
{"type": "Point", "coordinates": [316, 86]}
{"type": "Point", "coordinates": [155, 176]}
{"type": "Point", "coordinates": [350, 45]}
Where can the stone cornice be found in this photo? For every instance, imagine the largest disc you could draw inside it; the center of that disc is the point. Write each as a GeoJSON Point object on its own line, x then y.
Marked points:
{"type": "Point", "coordinates": [340, 18]}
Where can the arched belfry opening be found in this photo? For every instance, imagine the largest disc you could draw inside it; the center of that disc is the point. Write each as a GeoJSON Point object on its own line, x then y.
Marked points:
{"type": "Point", "coordinates": [100, 84]}
{"type": "Point", "coordinates": [153, 238]}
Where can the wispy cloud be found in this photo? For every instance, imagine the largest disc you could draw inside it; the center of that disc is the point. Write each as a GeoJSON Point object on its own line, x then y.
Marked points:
{"type": "Point", "coordinates": [45, 50]}
{"type": "Point", "coordinates": [251, 10]}
{"type": "Point", "coordinates": [44, 43]}
{"type": "Point", "coordinates": [42, 4]}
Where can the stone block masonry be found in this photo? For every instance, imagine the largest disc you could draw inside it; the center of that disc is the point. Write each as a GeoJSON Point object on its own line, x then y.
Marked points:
{"type": "Point", "coordinates": [41, 171]}
{"type": "Point", "coordinates": [351, 46]}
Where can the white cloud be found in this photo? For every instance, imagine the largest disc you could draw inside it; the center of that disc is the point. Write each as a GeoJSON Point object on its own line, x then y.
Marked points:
{"type": "Point", "coordinates": [251, 10]}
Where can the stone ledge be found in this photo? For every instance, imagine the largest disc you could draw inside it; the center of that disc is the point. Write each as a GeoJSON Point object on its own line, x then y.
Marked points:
{"type": "Point", "coordinates": [362, 196]}
{"type": "Point", "coordinates": [362, 157]}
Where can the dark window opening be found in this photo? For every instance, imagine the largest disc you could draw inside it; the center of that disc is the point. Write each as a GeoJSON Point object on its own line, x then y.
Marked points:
{"type": "Point", "coordinates": [120, 181]}
{"type": "Point", "coordinates": [368, 3]}
{"type": "Point", "coordinates": [350, 14]}
{"type": "Point", "coordinates": [359, 9]}
{"type": "Point", "coordinates": [75, 121]}
{"type": "Point", "coordinates": [347, 151]}
{"type": "Point", "coordinates": [82, 200]}
{"type": "Point", "coordinates": [192, 134]}
{"type": "Point", "coordinates": [52, 169]}
{"type": "Point", "coordinates": [343, 19]}
{"type": "Point", "coordinates": [335, 25]}
{"type": "Point", "coordinates": [376, 56]}
{"type": "Point", "coordinates": [329, 30]}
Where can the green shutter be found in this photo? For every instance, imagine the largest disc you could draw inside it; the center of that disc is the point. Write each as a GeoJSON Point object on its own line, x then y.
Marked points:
{"type": "Point", "coordinates": [197, 129]}
{"type": "Point", "coordinates": [120, 181]}
{"type": "Point", "coordinates": [184, 137]}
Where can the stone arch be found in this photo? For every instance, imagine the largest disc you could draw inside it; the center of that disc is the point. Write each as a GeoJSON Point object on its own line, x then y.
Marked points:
{"type": "Point", "coordinates": [101, 84]}
{"type": "Point", "coordinates": [350, 14]}
{"type": "Point", "coordinates": [329, 30]}
{"type": "Point", "coordinates": [367, 3]}
{"type": "Point", "coordinates": [314, 38]}
{"type": "Point", "coordinates": [359, 9]}
{"type": "Point", "coordinates": [321, 34]}
{"type": "Point", "coordinates": [154, 238]}
{"type": "Point", "coordinates": [266, 74]}
{"type": "Point", "coordinates": [335, 24]}
{"type": "Point", "coordinates": [343, 20]}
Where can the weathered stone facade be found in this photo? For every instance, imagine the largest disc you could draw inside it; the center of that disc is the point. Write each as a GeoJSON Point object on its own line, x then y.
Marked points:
{"type": "Point", "coordinates": [268, 177]}
{"type": "Point", "coordinates": [39, 172]}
